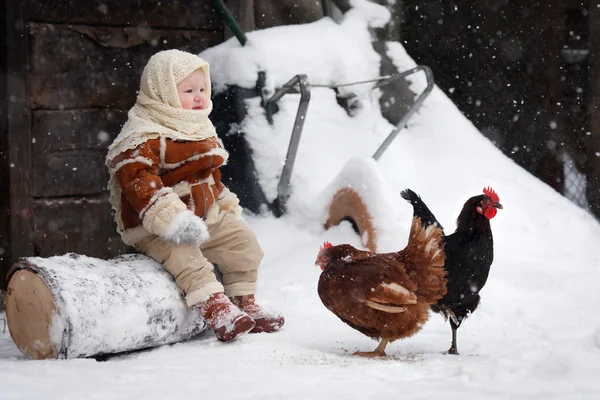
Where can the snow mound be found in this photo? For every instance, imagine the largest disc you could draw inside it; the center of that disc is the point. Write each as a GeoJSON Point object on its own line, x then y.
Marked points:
{"type": "Point", "coordinates": [364, 177]}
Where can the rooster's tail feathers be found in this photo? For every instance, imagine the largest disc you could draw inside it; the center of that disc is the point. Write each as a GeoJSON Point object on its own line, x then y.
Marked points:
{"type": "Point", "coordinates": [420, 208]}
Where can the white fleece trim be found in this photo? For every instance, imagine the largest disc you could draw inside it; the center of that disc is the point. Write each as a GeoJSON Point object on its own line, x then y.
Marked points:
{"type": "Point", "coordinates": [163, 150]}
{"type": "Point", "coordinates": [224, 193]}
{"type": "Point", "coordinates": [210, 180]}
{"type": "Point", "coordinates": [182, 189]}
{"type": "Point", "coordinates": [202, 294]}
{"type": "Point", "coordinates": [138, 159]}
{"type": "Point", "coordinates": [162, 211]}
{"type": "Point", "coordinates": [191, 204]}
{"type": "Point", "coordinates": [213, 152]}
{"type": "Point", "coordinates": [159, 193]}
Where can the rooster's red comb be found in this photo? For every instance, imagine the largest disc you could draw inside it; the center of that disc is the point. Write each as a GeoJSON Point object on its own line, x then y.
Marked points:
{"type": "Point", "coordinates": [489, 192]}
{"type": "Point", "coordinates": [326, 245]}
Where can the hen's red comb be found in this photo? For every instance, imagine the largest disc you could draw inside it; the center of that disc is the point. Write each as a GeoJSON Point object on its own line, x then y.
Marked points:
{"type": "Point", "coordinates": [326, 245]}
{"type": "Point", "coordinates": [489, 192]}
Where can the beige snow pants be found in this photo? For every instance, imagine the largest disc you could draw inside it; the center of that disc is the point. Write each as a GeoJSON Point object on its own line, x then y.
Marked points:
{"type": "Point", "coordinates": [232, 247]}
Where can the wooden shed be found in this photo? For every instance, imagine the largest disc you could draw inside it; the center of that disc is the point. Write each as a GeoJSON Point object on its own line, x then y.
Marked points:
{"type": "Point", "coordinates": [69, 73]}
{"type": "Point", "coordinates": [72, 71]}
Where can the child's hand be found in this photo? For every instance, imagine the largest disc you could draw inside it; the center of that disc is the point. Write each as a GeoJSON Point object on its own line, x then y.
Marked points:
{"type": "Point", "coordinates": [186, 229]}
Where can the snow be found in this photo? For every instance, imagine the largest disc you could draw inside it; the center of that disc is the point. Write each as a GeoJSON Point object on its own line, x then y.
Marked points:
{"type": "Point", "coordinates": [536, 334]}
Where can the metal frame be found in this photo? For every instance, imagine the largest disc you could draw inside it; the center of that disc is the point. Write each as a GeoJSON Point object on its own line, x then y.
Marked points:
{"type": "Point", "coordinates": [326, 8]}
{"type": "Point", "coordinates": [284, 187]}
{"type": "Point", "coordinates": [231, 21]}
{"type": "Point", "coordinates": [415, 106]}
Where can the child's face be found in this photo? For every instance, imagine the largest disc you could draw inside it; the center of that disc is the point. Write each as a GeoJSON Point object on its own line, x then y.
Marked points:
{"type": "Point", "coordinates": [192, 91]}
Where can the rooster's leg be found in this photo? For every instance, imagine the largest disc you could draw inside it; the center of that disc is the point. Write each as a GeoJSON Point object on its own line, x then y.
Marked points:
{"type": "Point", "coordinates": [378, 352]}
{"type": "Point", "coordinates": [453, 349]}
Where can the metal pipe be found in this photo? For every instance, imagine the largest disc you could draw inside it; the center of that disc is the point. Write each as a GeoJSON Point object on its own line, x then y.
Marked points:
{"type": "Point", "coordinates": [231, 22]}
{"type": "Point", "coordinates": [416, 105]}
{"type": "Point", "coordinates": [384, 80]}
{"type": "Point", "coordinates": [326, 8]}
{"type": "Point", "coordinates": [339, 85]}
{"type": "Point", "coordinates": [284, 188]}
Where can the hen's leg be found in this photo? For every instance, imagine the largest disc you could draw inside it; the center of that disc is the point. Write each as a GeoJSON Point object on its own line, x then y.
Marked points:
{"type": "Point", "coordinates": [378, 352]}
{"type": "Point", "coordinates": [453, 349]}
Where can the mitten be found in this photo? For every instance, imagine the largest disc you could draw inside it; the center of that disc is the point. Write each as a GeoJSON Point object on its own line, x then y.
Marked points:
{"type": "Point", "coordinates": [170, 219]}
{"type": "Point", "coordinates": [186, 228]}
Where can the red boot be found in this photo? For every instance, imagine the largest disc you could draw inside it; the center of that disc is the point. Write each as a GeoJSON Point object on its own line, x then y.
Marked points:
{"type": "Point", "coordinates": [265, 321]}
{"type": "Point", "coordinates": [224, 318]}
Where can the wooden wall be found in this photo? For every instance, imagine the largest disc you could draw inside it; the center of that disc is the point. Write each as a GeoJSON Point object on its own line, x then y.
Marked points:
{"type": "Point", "coordinates": [73, 69]}
{"type": "Point", "coordinates": [4, 182]}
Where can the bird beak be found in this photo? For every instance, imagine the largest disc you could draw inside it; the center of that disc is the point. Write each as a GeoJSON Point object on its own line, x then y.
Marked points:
{"type": "Point", "coordinates": [498, 205]}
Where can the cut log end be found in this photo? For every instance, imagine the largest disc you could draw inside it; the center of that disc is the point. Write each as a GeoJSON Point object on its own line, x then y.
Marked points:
{"type": "Point", "coordinates": [29, 309]}
{"type": "Point", "coordinates": [347, 204]}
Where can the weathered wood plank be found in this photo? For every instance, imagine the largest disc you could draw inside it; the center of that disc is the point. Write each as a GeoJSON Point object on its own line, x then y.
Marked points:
{"type": "Point", "coordinates": [93, 129]}
{"type": "Point", "coordinates": [69, 173]}
{"type": "Point", "coordinates": [84, 226]}
{"type": "Point", "coordinates": [5, 251]}
{"type": "Point", "coordinates": [80, 66]}
{"type": "Point", "coordinates": [4, 168]}
{"type": "Point", "coordinates": [191, 14]}
{"type": "Point", "coordinates": [19, 132]}
{"type": "Point", "coordinates": [69, 149]}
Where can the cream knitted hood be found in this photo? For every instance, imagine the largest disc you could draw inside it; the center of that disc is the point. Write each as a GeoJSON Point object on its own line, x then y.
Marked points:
{"type": "Point", "coordinates": [158, 112]}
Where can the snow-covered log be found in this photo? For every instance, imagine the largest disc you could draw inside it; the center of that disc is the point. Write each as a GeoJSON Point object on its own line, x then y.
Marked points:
{"type": "Point", "coordinates": [76, 306]}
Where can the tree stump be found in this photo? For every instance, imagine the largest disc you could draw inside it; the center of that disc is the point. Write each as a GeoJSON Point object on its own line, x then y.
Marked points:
{"type": "Point", "coordinates": [76, 306]}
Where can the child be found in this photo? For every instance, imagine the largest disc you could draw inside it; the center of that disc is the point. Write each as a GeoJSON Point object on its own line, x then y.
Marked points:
{"type": "Point", "coordinates": [165, 186]}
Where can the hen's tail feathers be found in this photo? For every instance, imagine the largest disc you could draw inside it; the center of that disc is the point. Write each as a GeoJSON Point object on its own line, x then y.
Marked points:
{"type": "Point", "coordinates": [420, 208]}
{"type": "Point", "coordinates": [425, 249]}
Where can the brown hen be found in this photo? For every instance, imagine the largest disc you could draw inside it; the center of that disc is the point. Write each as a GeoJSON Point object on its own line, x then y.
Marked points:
{"type": "Point", "coordinates": [384, 296]}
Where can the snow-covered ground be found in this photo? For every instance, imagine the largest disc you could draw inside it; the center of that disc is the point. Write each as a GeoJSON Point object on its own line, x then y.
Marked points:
{"type": "Point", "coordinates": [536, 334]}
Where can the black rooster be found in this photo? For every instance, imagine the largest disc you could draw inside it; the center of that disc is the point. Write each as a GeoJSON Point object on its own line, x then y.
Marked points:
{"type": "Point", "coordinates": [469, 254]}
